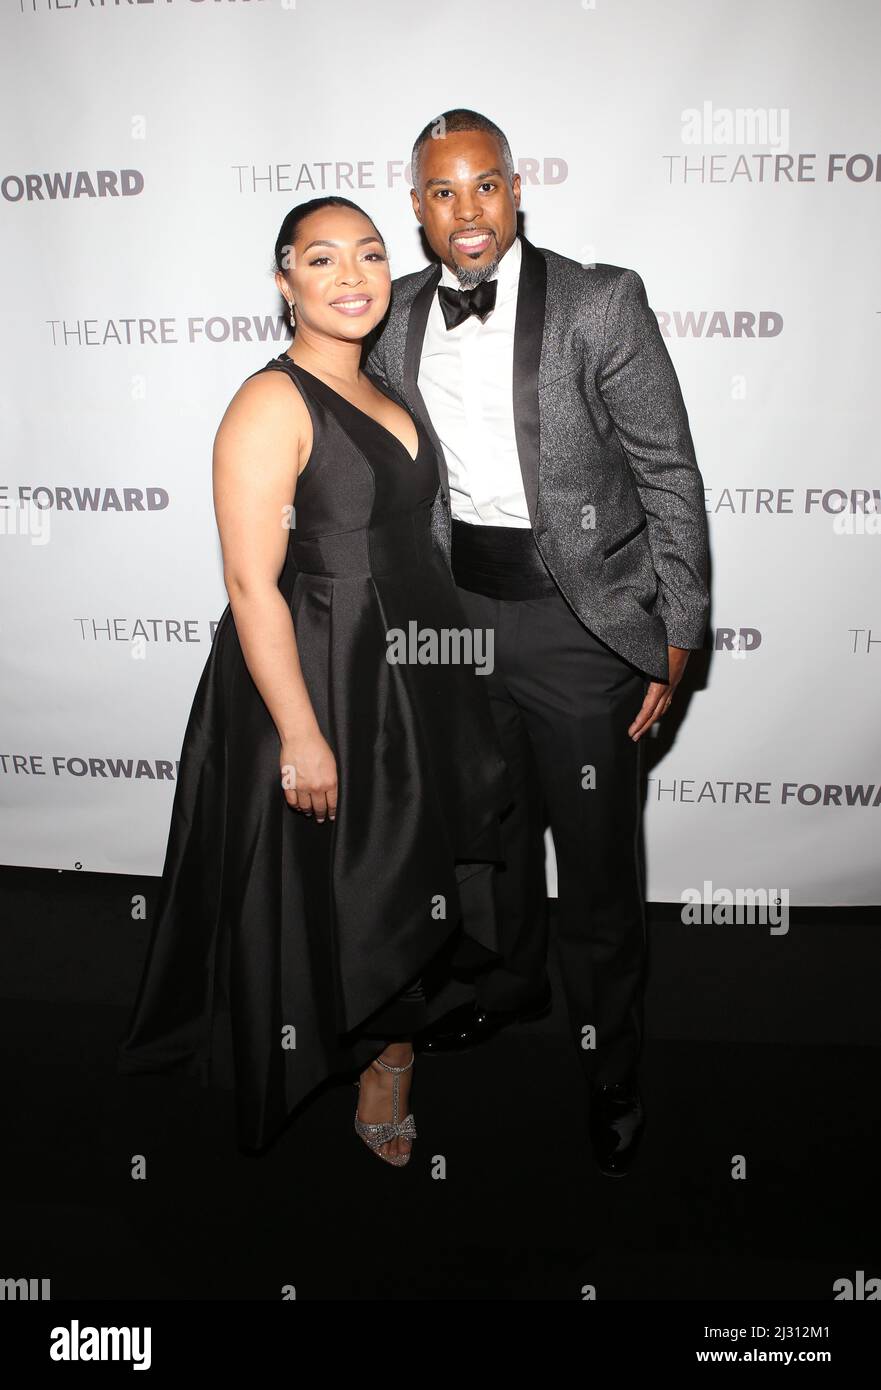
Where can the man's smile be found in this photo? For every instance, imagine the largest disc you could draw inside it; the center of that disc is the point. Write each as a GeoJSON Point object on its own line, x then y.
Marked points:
{"type": "Point", "coordinates": [474, 242]}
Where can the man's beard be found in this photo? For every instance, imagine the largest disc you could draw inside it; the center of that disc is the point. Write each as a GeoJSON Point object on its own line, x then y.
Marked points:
{"type": "Point", "coordinates": [469, 278]}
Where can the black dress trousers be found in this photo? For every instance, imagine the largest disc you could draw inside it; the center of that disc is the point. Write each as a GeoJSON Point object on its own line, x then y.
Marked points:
{"type": "Point", "coordinates": [562, 703]}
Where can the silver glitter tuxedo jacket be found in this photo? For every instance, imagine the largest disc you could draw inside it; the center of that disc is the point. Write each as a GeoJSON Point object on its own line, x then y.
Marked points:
{"type": "Point", "coordinates": [615, 495]}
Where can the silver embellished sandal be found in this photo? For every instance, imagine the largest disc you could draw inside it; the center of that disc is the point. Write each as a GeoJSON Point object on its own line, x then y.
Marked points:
{"type": "Point", "coordinates": [376, 1135]}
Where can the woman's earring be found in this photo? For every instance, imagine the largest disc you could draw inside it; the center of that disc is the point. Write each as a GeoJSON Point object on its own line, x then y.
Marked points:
{"type": "Point", "coordinates": [293, 320]}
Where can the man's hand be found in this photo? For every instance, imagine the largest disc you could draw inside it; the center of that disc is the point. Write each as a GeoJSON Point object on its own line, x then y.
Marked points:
{"type": "Point", "coordinates": [659, 695]}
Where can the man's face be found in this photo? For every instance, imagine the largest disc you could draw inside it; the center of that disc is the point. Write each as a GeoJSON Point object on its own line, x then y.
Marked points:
{"type": "Point", "coordinates": [466, 203]}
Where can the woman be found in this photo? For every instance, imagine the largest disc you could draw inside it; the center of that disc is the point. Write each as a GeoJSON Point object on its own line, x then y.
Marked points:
{"type": "Point", "coordinates": [328, 870]}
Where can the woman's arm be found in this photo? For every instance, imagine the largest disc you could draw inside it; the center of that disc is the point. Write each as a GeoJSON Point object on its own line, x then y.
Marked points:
{"type": "Point", "coordinates": [261, 446]}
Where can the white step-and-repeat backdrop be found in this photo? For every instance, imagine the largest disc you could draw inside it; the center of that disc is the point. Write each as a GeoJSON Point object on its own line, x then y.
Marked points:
{"type": "Point", "coordinates": [728, 150]}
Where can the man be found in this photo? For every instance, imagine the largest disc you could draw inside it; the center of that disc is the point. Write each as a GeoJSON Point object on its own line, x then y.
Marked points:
{"type": "Point", "coordinates": [571, 511]}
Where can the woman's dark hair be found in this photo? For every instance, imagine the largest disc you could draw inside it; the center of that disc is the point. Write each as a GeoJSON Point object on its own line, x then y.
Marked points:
{"type": "Point", "coordinates": [290, 226]}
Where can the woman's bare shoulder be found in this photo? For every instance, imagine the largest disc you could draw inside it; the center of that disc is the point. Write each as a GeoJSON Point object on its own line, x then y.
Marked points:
{"type": "Point", "coordinates": [269, 400]}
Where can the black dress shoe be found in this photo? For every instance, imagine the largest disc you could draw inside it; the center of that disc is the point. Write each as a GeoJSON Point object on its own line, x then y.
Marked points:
{"type": "Point", "coordinates": [617, 1119]}
{"type": "Point", "coordinates": [469, 1025]}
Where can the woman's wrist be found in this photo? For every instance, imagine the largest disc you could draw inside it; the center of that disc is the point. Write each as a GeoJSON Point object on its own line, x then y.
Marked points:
{"type": "Point", "coordinates": [298, 729]}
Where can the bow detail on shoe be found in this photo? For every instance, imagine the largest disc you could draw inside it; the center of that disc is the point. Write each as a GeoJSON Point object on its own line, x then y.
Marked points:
{"type": "Point", "coordinates": [375, 1136]}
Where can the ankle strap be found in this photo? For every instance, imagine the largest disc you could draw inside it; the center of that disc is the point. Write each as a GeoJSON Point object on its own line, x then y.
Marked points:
{"type": "Point", "coordinates": [385, 1066]}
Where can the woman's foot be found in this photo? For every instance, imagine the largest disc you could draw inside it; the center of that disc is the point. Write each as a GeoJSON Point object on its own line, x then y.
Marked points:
{"type": "Point", "coordinates": [376, 1104]}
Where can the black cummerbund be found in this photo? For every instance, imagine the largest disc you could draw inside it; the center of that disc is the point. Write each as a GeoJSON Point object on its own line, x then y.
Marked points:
{"type": "Point", "coordinates": [499, 561]}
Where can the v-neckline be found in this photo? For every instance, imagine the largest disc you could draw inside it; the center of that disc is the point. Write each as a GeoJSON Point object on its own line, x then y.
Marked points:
{"type": "Point", "coordinates": [391, 434]}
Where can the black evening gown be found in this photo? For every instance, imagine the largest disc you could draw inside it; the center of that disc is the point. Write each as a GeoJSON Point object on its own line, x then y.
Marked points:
{"type": "Point", "coordinates": [283, 952]}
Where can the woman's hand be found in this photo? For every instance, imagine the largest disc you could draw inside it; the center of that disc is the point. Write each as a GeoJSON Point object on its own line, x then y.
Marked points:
{"type": "Point", "coordinates": [308, 775]}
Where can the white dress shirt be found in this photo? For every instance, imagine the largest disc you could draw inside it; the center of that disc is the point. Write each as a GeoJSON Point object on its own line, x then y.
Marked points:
{"type": "Point", "coordinates": [466, 376]}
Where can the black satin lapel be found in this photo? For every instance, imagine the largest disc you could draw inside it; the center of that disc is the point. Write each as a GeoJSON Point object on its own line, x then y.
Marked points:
{"type": "Point", "coordinates": [419, 311]}
{"type": "Point", "coordinates": [416, 334]}
{"type": "Point", "coordinates": [528, 334]}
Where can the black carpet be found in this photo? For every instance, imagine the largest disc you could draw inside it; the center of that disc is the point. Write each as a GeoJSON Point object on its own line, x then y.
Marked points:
{"type": "Point", "coordinates": [520, 1212]}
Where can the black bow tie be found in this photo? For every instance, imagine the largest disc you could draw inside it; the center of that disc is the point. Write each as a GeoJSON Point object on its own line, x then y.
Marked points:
{"type": "Point", "coordinates": [458, 305]}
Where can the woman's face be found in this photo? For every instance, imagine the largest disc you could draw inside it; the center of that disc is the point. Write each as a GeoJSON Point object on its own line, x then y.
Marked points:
{"type": "Point", "coordinates": [338, 274]}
